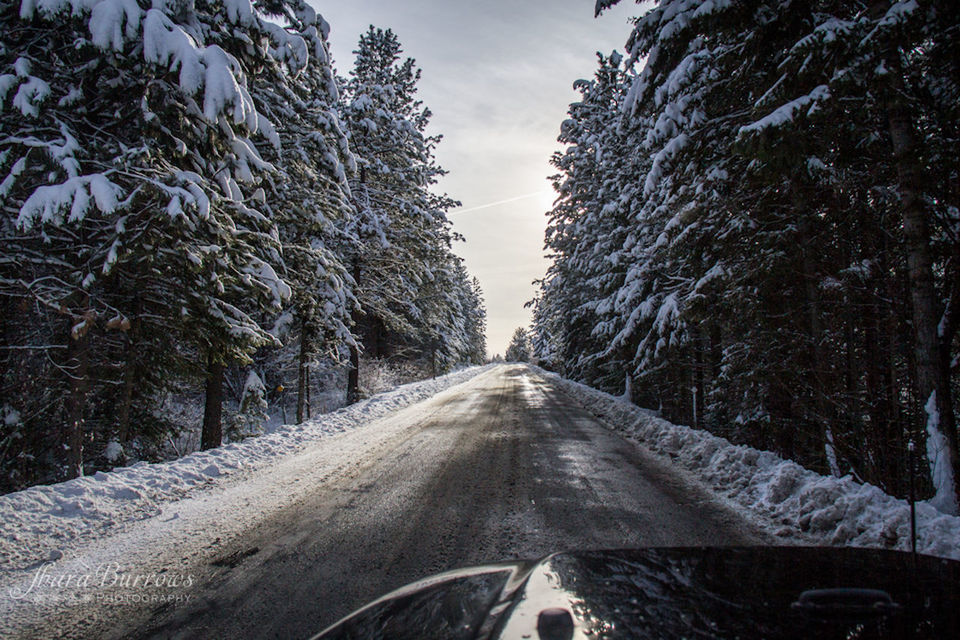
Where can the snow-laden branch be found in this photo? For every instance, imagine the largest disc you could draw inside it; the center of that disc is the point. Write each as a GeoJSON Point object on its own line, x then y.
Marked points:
{"type": "Point", "coordinates": [787, 112]}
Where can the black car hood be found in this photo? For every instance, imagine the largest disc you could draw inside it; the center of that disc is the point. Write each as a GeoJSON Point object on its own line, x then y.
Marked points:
{"type": "Point", "coordinates": [761, 592]}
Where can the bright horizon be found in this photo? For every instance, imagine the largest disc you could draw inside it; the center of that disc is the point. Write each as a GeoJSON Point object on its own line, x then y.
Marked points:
{"type": "Point", "coordinates": [498, 77]}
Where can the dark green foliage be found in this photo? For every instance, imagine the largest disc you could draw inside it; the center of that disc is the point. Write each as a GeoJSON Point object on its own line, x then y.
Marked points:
{"type": "Point", "coordinates": [774, 254]}
{"type": "Point", "coordinates": [416, 301]}
{"type": "Point", "coordinates": [177, 215]}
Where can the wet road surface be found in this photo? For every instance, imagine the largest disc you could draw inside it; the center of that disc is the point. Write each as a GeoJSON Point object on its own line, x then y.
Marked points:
{"type": "Point", "coordinates": [508, 467]}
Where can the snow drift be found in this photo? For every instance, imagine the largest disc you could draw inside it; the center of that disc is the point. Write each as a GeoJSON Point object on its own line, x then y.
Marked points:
{"type": "Point", "coordinates": [794, 504]}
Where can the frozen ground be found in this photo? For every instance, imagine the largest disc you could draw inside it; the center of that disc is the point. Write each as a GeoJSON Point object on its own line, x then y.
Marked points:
{"type": "Point", "coordinates": [794, 504]}
{"type": "Point", "coordinates": [503, 466]}
{"type": "Point", "coordinates": [69, 551]}
{"type": "Point", "coordinates": [45, 522]}
{"type": "Point", "coordinates": [461, 470]}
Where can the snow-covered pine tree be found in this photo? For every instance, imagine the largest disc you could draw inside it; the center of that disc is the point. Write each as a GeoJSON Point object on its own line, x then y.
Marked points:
{"type": "Point", "coordinates": [705, 263]}
{"type": "Point", "coordinates": [401, 231]}
{"type": "Point", "coordinates": [544, 326]}
{"type": "Point", "coordinates": [586, 232]}
{"type": "Point", "coordinates": [797, 180]}
{"type": "Point", "coordinates": [680, 105]}
{"type": "Point", "coordinates": [519, 348]}
{"type": "Point", "coordinates": [252, 413]}
{"type": "Point", "coordinates": [130, 212]}
{"type": "Point", "coordinates": [880, 79]}
{"type": "Point", "coordinates": [308, 197]}
{"type": "Point", "coordinates": [453, 317]}
{"type": "Point", "coordinates": [475, 323]}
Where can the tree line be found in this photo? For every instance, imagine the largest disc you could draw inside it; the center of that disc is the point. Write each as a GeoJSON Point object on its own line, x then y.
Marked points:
{"type": "Point", "coordinates": [189, 189]}
{"type": "Point", "coordinates": [757, 231]}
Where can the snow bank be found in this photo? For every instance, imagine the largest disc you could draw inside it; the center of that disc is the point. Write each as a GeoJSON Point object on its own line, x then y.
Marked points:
{"type": "Point", "coordinates": [39, 523]}
{"type": "Point", "coordinates": [794, 504]}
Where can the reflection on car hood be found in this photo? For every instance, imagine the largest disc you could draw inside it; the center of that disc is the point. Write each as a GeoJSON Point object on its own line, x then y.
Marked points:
{"type": "Point", "coordinates": [762, 592]}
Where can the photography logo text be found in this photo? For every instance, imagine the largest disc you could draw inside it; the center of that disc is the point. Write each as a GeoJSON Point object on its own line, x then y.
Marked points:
{"type": "Point", "coordinates": [109, 583]}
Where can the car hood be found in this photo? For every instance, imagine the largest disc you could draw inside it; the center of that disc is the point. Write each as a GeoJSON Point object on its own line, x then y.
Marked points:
{"type": "Point", "coordinates": [757, 592]}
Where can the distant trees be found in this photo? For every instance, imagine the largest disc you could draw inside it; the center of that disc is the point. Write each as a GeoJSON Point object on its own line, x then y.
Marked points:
{"type": "Point", "coordinates": [178, 199]}
{"type": "Point", "coordinates": [757, 233]}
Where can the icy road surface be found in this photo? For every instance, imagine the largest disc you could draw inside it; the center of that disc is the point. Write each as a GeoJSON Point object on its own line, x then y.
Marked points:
{"type": "Point", "coordinates": [503, 466]}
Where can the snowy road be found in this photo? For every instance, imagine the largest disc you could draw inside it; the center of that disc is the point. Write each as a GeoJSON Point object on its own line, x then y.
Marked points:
{"type": "Point", "coordinates": [505, 468]}
{"type": "Point", "coordinates": [502, 466]}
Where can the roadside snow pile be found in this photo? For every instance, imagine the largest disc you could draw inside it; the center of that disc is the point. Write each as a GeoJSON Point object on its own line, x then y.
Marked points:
{"type": "Point", "coordinates": [105, 502]}
{"type": "Point", "coordinates": [791, 502]}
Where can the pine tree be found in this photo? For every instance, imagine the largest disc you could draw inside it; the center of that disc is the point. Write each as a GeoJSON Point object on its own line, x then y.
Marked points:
{"type": "Point", "coordinates": [308, 197]}
{"type": "Point", "coordinates": [586, 231]}
{"type": "Point", "coordinates": [401, 234]}
{"type": "Point", "coordinates": [519, 348]}
{"type": "Point", "coordinates": [901, 56]}
{"type": "Point", "coordinates": [252, 412]}
{"type": "Point", "coordinates": [781, 221]}
{"type": "Point", "coordinates": [141, 216]}
{"type": "Point", "coordinates": [475, 321]}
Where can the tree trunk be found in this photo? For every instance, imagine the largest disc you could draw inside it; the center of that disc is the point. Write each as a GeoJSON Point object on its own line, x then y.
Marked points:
{"type": "Point", "coordinates": [879, 341]}
{"type": "Point", "coordinates": [716, 350]}
{"type": "Point", "coordinates": [129, 381]}
{"type": "Point", "coordinates": [874, 361]}
{"type": "Point", "coordinates": [302, 374]}
{"type": "Point", "coordinates": [126, 399]}
{"type": "Point", "coordinates": [77, 365]}
{"type": "Point", "coordinates": [353, 375]}
{"type": "Point", "coordinates": [815, 410]}
{"type": "Point", "coordinates": [699, 395]}
{"type": "Point", "coordinates": [933, 386]}
{"type": "Point", "coordinates": [625, 357]}
{"type": "Point", "coordinates": [212, 434]}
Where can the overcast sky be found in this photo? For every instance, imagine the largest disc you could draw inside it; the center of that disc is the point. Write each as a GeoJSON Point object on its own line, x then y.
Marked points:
{"type": "Point", "coordinates": [498, 76]}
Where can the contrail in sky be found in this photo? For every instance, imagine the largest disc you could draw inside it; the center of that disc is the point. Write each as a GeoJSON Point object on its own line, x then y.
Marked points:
{"type": "Point", "coordinates": [499, 202]}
